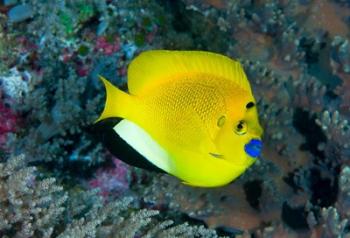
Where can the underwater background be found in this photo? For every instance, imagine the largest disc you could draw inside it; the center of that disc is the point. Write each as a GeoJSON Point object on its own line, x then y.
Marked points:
{"type": "Point", "coordinates": [58, 180]}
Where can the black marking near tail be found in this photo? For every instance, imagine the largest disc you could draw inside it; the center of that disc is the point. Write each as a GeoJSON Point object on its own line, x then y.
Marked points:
{"type": "Point", "coordinates": [118, 147]}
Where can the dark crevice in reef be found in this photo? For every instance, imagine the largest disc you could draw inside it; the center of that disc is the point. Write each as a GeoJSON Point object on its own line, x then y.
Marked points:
{"type": "Point", "coordinates": [76, 167]}
{"type": "Point", "coordinates": [181, 21]}
{"type": "Point", "coordinates": [294, 217]}
{"type": "Point", "coordinates": [290, 180]}
{"type": "Point", "coordinates": [324, 190]}
{"type": "Point", "coordinates": [71, 172]}
{"type": "Point", "coordinates": [221, 230]}
{"type": "Point", "coordinates": [228, 231]}
{"type": "Point", "coordinates": [317, 58]}
{"type": "Point", "coordinates": [305, 124]}
{"type": "Point", "coordinates": [253, 192]}
{"type": "Point", "coordinates": [189, 29]}
{"type": "Point", "coordinates": [323, 185]}
{"type": "Point", "coordinates": [330, 96]}
{"type": "Point", "coordinates": [309, 46]}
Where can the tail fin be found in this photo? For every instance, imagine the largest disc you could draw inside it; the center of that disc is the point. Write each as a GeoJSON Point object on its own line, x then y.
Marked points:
{"type": "Point", "coordinates": [116, 101]}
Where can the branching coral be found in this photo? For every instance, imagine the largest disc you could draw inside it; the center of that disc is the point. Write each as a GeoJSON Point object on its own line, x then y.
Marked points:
{"type": "Point", "coordinates": [57, 118]}
{"type": "Point", "coordinates": [29, 207]}
{"type": "Point", "coordinates": [333, 225]}
{"type": "Point", "coordinates": [343, 203]}
{"type": "Point", "coordinates": [34, 207]}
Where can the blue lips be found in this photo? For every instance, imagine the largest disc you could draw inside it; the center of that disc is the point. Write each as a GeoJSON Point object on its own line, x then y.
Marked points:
{"type": "Point", "coordinates": [253, 148]}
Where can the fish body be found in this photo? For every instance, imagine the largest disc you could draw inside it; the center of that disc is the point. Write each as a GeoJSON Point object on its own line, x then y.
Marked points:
{"type": "Point", "coordinates": [187, 113]}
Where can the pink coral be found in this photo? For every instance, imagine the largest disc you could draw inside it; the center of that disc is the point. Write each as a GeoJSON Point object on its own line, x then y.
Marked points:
{"type": "Point", "coordinates": [66, 55]}
{"type": "Point", "coordinates": [112, 181]}
{"type": "Point", "coordinates": [106, 46]}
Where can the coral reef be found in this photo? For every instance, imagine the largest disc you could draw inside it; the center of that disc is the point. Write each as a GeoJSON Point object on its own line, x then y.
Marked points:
{"type": "Point", "coordinates": [38, 207]}
{"type": "Point", "coordinates": [297, 57]}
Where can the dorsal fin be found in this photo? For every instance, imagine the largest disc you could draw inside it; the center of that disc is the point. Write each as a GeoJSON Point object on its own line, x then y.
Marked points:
{"type": "Point", "coordinates": [152, 67]}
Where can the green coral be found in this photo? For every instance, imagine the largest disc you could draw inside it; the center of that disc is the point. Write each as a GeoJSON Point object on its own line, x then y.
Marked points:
{"type": "Point", "coordinates": [67, 22]}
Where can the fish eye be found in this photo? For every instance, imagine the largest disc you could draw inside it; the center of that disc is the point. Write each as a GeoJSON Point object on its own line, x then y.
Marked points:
{"type": "Point", "coordinates": [241, 128]}
{"type": "Point", "coordinates": [250, 105]}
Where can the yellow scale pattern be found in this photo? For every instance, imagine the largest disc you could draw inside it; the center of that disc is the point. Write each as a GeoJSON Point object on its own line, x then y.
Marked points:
{"type": "Point", "coordinates": [186, 111]}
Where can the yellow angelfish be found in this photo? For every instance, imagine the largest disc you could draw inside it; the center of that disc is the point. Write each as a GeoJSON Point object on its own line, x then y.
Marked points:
{"type": "Point", "coordinates": [190, 113]}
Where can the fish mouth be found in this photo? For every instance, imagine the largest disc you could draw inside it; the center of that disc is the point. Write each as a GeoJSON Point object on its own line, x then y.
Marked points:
{"type": "Point", "coordinates": [217, 156]}
{"type": "Point", "coordinates": [253, 148]}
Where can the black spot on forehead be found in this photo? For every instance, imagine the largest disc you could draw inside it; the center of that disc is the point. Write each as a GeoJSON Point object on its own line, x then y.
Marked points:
{"type": "Point", "coordinates": [250, 105]}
